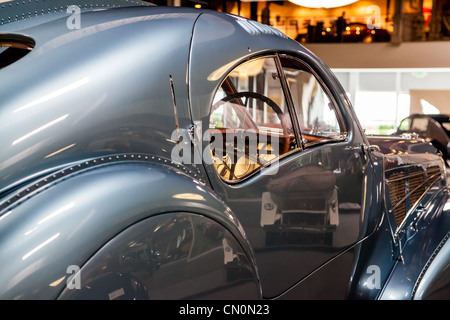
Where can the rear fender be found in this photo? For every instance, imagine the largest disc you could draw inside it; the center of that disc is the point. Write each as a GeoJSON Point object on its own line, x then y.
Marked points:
{"type": "Point", "coordinates": [418, 201]}
{"type": "Point", "coordinates": [169, 256]}
{"type": "Point", "coordinates": [66, 221]}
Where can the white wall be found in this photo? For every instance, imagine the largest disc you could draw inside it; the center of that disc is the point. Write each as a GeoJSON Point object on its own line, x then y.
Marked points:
{"type": "Point", "coordinates": [439, 99]}
{"type": "Point", "coordinates": [386, 83]}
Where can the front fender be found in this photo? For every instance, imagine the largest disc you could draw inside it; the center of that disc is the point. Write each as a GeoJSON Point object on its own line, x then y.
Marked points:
{"type": "Point", "coordinates": [434, 282]}
{"type": "Point", "coordinates": [422, 269]}
{"type": "Point", "coordinates": [66, 222]}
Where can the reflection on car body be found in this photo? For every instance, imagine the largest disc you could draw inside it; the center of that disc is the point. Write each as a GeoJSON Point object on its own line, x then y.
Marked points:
{"type": "Point", "coordinates": [176, 153]}
{"type": "Point", "coordinates": [434, 128]}
{"type": "Point", "coordinates": [311, 213]}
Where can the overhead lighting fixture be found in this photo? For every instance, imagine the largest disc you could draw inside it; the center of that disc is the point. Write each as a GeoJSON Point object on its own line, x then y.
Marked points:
{"type": "Point", "coordinates": [322, 3]}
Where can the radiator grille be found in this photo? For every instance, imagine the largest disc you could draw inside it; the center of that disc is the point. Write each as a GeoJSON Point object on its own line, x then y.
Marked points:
{"type": "Point", "coordinates": [397, 193]}
{"type": "Point", "coordinates": [433, 174]}
{"type": "Point", "coordinates": [406, 189]}
{"type": "Point", "coordinates": [416, 185]}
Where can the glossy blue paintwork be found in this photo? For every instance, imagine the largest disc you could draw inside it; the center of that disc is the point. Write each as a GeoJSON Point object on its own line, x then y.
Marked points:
{"type": "Point", "coordinates": [87, 125]}
{"type": "Point", "coordinates": [55, 96]}
{"type": "Point", "coordinates": [169, 256]}
{"type": "Point", "coordinates": [432, 129]}
{"type": "Point", "coordinates": [433, 281]}
{"type": "Point", "coordinates": [65, 223]}
{"type": "Point", "coordinates": [417, 252]}
{"type": "Point", "coordinates": [401, 146]}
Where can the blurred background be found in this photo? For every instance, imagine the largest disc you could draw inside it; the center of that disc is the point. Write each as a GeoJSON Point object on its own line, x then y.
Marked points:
{"type": "Point", "coordinates": [391, 56]}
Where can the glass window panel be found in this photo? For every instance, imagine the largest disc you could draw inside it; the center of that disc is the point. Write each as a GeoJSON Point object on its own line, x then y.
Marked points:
{"type": "Point", "coordinates": [250, 120]}
{"type": "Point", "coordinates": [315, 111]}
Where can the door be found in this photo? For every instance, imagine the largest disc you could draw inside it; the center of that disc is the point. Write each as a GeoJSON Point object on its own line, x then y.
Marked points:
{"type": "Point", "coordinates": [286, 165]}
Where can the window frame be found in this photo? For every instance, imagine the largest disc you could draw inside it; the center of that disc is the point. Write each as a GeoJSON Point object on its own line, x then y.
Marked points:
{"type": "Point", "coordinates": [288, 112]}
{"type": "Point", "coordinates": [290, 109]}
{"type": "Point", "coordinates": [339, 116]}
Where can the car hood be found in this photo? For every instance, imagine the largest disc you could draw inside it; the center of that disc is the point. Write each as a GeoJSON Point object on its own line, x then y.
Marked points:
{"type": "Point", "coordinates": [392, 145]}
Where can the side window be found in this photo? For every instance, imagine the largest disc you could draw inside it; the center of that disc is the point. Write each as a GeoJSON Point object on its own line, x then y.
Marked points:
{"type": "Point", "coordinates": [315, 111]}
{"type": "Point", "coordinates": [249, 120]}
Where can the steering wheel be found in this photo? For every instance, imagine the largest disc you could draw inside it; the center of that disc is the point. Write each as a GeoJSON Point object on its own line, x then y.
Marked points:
{"type": "Point", "coordinates": [263, 98]}
{"type": "Point", "coordinates": [254, 95]}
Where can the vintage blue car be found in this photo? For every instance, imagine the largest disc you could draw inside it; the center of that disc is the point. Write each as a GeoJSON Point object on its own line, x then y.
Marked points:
{"type": "Point", "coordinates": [434, 128]}
{"type": "Point", "coordinates": [176, 153]}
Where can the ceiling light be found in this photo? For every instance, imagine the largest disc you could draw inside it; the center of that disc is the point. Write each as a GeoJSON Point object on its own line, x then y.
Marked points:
{"type": "Point", "coordinates": [322, 3]}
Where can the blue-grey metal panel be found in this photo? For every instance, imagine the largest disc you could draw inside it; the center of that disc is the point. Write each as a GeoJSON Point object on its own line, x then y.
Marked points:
{"type": "Point", "coordinates": [170, 256]}
{"type": "Point", "coordinates": [118, 87]}
{"type": "Point", "coordinates": [434, 282]}
{"type": "Point", "coordinates": [16, 14]}
{"type": "Point", "coordinates": [102, 89]}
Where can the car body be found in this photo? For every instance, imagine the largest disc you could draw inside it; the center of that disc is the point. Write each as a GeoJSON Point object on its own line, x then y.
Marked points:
{"type": "Point", "coordinates": [435, 128]}
{"type": "Point", "coordinates": [176, 153]}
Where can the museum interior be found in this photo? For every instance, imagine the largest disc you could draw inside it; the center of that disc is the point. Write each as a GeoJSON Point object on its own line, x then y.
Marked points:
{"type": "Point", "coordinates": [391, 56]}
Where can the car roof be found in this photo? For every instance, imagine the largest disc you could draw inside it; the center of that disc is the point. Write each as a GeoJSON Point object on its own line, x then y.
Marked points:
{"type": "Point", "coordinates": [103, 32]}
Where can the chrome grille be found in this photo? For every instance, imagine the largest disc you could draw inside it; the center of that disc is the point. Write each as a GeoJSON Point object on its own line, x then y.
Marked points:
{"type": "Point", "coordinates": [397, 194]}
{"type": "Point", "coordinates": [416, 186]}
{"type": "Point", "coordinates": [407, 188]}
{"type": "Point", "coordinates": [433, 174]}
